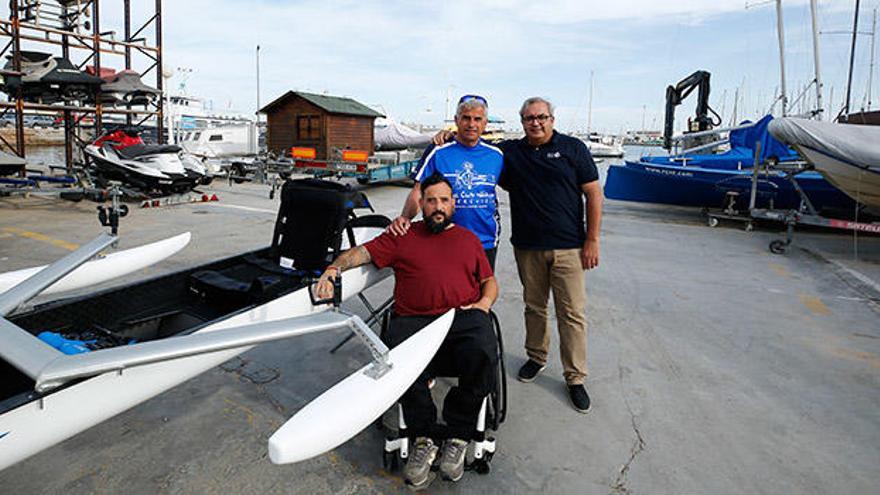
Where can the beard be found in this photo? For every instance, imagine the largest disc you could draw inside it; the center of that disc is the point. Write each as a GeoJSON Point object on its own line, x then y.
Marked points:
{"type": "Point", "coordinates": [434, 226]}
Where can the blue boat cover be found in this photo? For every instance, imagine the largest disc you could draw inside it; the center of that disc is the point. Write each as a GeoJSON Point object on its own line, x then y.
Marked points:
{"type": "Point", "coordinates": [742, 150]}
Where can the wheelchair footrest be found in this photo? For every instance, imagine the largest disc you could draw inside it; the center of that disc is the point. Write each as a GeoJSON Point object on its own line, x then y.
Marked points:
{"type": "Point", "coordinates": [395, 453]}
{"type": "Point", "coordinates": [400, 445]}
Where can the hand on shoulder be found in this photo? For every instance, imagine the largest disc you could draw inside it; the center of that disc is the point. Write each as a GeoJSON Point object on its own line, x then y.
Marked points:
{"type": "Point", "coordinates": [443, 137]}
{"type": "Point", "coordinates": [399, 226]}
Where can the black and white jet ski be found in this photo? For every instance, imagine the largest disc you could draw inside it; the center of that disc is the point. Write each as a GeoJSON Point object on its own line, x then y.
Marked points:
{"type": "Point", "coordinates": [122, 155]}
{"type": "Point", "coordinates": [126, 88]}
{"type": "Point", "coordinates": [47, 79]}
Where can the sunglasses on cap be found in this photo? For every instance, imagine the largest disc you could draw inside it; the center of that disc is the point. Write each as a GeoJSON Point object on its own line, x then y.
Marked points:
{"type": "Point", "coordinates": [478, 98]}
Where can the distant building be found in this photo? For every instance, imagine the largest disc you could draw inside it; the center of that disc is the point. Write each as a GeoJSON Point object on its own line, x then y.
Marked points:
{"type": "Point", "coordinates": [327, 123]}
{"type": "Point", "coordinates": [644, 137]}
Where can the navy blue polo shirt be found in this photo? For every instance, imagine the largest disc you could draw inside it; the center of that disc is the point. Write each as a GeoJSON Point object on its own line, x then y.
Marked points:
{"type": "Point", "coordinates": [546, 198]}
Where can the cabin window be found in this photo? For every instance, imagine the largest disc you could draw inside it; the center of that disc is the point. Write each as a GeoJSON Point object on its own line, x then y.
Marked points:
{"type": "Point", "coordinates": [197, 135]}
{"type": "Point", "coordinates": [308, 127]}
{"type": "Point", "coordinates": [216, 137]}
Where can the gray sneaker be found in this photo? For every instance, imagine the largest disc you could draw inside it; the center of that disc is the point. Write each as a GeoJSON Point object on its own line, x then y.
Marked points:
{"type": "Point", "coordinates": [418, 468]}
{"type": "Point", "coordinates": [452, 459]}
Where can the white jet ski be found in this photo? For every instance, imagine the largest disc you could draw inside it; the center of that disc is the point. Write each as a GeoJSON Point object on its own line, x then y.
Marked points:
{"type": "Point", "coordinates": [163, 168]}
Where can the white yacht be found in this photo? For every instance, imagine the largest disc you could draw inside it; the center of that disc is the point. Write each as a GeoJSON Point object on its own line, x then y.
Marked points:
{"type": "Point", "coordinates": [200, 130]}
{"type": "Point", "coordinates": [603, 146]}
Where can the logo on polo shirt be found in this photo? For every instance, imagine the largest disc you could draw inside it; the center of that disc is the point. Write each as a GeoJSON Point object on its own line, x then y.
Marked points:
{"type": "Point", "coordinates": [466, 178]}
{"type": "Point", "coordinates": [554, 154]}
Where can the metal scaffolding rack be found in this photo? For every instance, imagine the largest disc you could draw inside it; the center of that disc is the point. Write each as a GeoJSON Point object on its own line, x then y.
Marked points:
{"type": "Point", "coordinates": [82, 32]}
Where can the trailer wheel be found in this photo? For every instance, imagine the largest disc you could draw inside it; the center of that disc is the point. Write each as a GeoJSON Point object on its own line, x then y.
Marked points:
{"type": "Point", "coordinates": [712, 222]}
{"type": "Point", "coordinates": [777, 247]}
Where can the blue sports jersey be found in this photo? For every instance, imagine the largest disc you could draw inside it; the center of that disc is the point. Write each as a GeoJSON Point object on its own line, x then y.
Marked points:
{"type": "Point", "coordinates": [473, 173]}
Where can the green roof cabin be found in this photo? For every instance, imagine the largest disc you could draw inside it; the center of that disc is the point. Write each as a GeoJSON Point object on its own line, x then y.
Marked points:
{"type": "Point", "coordinates": [327, 123]}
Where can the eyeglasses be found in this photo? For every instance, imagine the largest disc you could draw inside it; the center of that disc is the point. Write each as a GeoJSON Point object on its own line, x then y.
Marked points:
{"type": "Point", "coordinates": [540, 118]}
{"type": "Point", "coordinates": [478, 98]}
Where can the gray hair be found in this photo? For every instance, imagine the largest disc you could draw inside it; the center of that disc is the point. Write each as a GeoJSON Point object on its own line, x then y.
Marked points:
{"type": "Point", "coordinates": [471, 104]}
{"type": "Point", "coordinates": [532, 101]}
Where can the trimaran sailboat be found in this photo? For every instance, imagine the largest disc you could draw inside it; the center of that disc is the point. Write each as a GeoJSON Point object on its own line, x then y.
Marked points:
{"type": "Point", "coordinates": [152, 335]}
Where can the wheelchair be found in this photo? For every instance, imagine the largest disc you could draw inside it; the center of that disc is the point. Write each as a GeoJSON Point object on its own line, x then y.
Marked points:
{"type": "Point", "coordinates": [492, 414]}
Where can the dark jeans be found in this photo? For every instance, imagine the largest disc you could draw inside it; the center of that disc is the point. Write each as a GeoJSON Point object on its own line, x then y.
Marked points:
{"type": "Point", "coordinates": [491, 253]}
{"type": "Point", "coordinates": [470, 353]}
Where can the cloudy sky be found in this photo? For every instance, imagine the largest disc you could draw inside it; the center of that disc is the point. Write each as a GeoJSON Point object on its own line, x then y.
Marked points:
{"type": "Point", "coordinates": [404, 57]}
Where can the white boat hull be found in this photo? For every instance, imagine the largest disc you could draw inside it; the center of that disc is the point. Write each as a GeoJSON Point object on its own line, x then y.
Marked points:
{"type": "Point", "coordinates": [111, 266]}
{"type": "Point", "coordinates": [218, 142]}
{"type": "Point", "coordinates": [861, 184]}
{"type": "Point", "coordinates": [39, 424]}
{"type": "Point", "coordinates": [602, 150]}
{"type": "Point", "coordinates": [331, 420]}
{"type": "Point", "coordinates": [846, 155]}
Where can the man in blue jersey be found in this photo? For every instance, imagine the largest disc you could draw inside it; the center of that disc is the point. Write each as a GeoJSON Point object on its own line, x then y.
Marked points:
{"type": "Point", "coordinates": [473, 167]}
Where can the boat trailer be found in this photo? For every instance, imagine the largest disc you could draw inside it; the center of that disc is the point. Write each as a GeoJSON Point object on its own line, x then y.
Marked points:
{"type": "Point", "coordinates": [354, 164]}
{"type": "Point", "coordinates": [805, 215]}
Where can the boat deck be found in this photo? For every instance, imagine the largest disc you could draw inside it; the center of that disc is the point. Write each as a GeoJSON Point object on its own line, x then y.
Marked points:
{"type": "Point", "coordinates": [715, 367]}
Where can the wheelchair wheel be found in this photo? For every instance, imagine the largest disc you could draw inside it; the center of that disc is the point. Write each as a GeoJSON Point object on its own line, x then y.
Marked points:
{"type": "Point", "coordinates": [498, 399]}
{"type": "Point", "coordinates": [390, 461]}
{"type": "Point", "coordinates": [481, 466]}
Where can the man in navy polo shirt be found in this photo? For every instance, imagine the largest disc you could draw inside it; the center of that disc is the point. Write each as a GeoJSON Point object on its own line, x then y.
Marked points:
{"type": "Point", "coordinates": [548, 174]}
{"type": "Point", "coordinates": [472, 166]}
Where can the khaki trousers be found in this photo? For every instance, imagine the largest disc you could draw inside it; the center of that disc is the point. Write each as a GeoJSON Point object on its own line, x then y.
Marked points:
{"type": "Point", "coordinates": [561, 271]}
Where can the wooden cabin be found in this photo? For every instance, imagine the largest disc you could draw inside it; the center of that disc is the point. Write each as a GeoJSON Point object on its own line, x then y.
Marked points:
{"type": "Point", "coordinates": [327, 123]}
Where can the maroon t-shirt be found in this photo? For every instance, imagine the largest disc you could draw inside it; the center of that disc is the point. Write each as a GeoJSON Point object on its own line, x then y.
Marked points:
{"type": "Point", "coordinates": [432, 272]}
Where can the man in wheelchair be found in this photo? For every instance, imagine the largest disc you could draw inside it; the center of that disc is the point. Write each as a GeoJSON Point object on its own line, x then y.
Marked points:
{"type": "Point", "coordinates": [437, 266]}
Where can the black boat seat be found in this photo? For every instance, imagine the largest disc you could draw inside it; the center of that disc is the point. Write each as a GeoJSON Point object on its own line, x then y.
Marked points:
{"type": "Point", "coordinates": [222, 289]}
{"type": "Point", "coordinates": [313, 215]}
{"type": "Point", "coordinates": [137, 150]}
{"type": "Point", "coordinates": [311, 220]}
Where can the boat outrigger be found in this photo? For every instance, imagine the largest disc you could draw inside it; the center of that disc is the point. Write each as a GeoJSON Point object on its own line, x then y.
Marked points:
{"type": "Point", "coordinates": [119, 347]}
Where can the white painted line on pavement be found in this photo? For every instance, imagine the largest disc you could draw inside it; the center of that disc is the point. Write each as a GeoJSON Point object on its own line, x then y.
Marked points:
{"type": "Point", "coordinates": [245, 208]}
{"type": "Point", "coordinates": [861, 277]}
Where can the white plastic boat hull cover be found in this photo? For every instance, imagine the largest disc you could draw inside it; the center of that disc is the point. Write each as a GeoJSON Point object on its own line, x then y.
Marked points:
{"type": "Point", "coordinates": [354, 403]}
{"type": "Point", "coordinates": [111, 266]}
{"type": "Point", "coordinates": [848, 156]}
{"type": "Point", "coordinates": [391, 135]}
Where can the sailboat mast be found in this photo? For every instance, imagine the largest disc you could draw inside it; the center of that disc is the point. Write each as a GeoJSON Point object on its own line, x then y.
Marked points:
{"type": "Point", "coordinates": [590, 106]}
{"type": "Point", "coordinates": [817, 71]}
{"type": "Point", "coordinates": [852, 58]}
{"type": "Point", "coordinates": [871, 70]}
{"type": "Point", "coordinates": [258, 83]}
{"type": "Point", "coordinates": [781, 34]}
